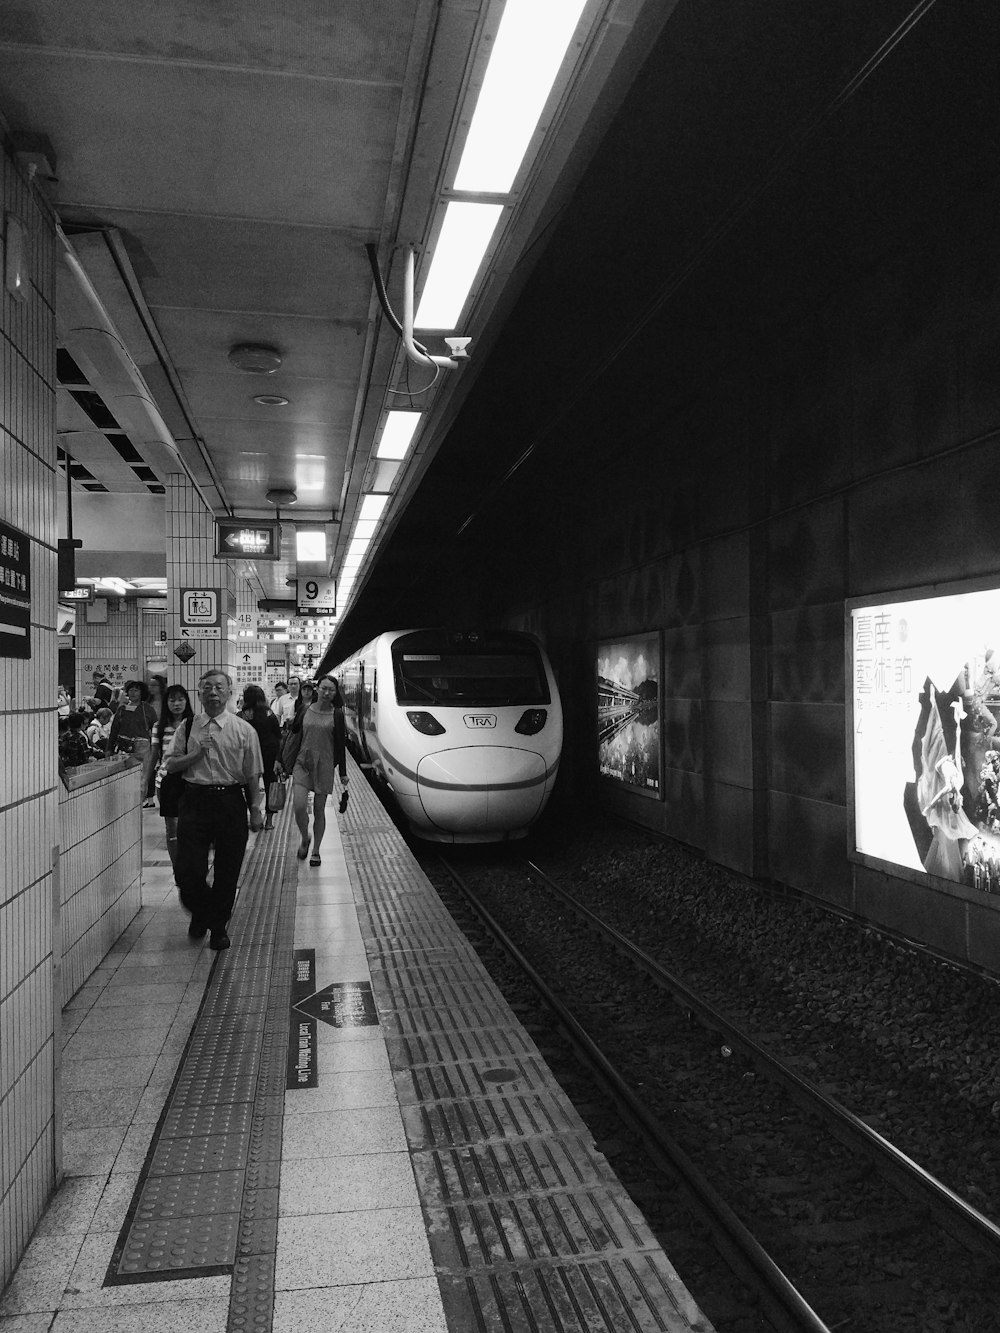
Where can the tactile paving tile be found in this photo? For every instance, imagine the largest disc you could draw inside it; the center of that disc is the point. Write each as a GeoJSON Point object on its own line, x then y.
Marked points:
{"type": "Point", "coordinates": [181, 1243]}
{"type": "Point", "coordinates": [451, 1082]}
{"type": "Point", "coordinates": [190, 1196]}
{"type": "Point", "coordinates": [641, 1295]}
{"type": "Point", "coordinates": [485, 1119]}
{"type": "Point", "coordinates": [518, 1166]}
{"type": "Point", "coordinates": [489, 1046]}
{"type": "Point", "coordinates": [208, 1196]}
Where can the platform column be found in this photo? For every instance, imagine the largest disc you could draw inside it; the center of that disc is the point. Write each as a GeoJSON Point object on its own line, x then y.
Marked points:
{"type": "Point", "coordinates": [191, 568]}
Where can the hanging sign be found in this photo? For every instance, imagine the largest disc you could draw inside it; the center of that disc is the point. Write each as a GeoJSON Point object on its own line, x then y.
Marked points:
{"type": "Point", "coordinates": [247, 539]}
{"type": "Point", "coordinates": [15, 592]}
{"type": "Point", "coordinates": [316, 597]}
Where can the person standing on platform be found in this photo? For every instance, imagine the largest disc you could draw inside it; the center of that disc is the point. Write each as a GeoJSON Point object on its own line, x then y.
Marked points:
{"type": "Point", "coordinates": [321, 756]}
{"type": "Point", "coordinates": [285, 711]}
{"type": "Point", "coordinates": [219, 755]}
{"type": "Point", "coordinates": [265, 724]}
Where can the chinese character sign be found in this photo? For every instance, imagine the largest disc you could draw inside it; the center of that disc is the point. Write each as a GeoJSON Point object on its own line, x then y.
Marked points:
{"type": "Point", "coordinates": [926, 691]}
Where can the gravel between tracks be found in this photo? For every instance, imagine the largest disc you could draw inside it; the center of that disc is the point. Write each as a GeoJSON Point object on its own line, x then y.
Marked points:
{"type": "Point", "coordinates": [909, 1043]}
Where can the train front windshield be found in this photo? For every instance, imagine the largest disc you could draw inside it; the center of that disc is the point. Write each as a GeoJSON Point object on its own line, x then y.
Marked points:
{"type": "Point", "coordinates": [491, 674]}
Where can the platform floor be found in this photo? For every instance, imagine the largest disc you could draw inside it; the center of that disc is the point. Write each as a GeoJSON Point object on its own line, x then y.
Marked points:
{"type": "Point", "coordinates": [338, 1123]}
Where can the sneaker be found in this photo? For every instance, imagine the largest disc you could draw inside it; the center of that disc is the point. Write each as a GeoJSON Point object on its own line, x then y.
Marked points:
{"type": "Point", "coordinates": [219, 940]}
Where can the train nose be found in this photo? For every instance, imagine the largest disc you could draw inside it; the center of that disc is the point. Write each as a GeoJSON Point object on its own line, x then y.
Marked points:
{"type": "Point", "coordinates": [488, 788]}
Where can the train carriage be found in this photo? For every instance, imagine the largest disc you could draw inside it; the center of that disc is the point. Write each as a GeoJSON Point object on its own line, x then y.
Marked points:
{"type": "Point", "coordinates": [463, 727]}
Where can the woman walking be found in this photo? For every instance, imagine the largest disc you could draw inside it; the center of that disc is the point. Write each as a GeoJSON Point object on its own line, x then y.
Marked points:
{"type": "Point", "coordinates": [322, 754]}
{"type": "Point", "coordinates": [176, 709]}
{"type": "Point", "coordinates": [268, 730]}
{"type": "Point", "coordinates": [132, 729]}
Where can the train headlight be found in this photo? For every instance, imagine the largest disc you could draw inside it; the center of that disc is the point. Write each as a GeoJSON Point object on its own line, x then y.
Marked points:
{"type": "Point", "coordinates": [531, 721]}
{"type": "Point", "coordinates": [423, 722]}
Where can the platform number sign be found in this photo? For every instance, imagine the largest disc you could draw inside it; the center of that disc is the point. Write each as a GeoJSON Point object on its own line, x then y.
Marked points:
{"type": "Point", "coordinates": [316, 597]}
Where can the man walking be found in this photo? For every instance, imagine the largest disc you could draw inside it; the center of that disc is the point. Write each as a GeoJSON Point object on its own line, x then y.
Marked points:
{"type": "Point", "coordinates": [219, 756]}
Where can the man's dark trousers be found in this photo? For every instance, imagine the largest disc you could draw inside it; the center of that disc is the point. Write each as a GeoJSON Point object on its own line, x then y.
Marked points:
{"type": "Point", "coordinates": [210, 816]}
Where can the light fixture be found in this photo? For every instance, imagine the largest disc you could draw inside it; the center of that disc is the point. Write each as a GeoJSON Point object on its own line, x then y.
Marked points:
{"type": "Point", "coordinates": [528, 51]}
{"type": "Point", "coordinates": [281, 496]}
{"type": "Point", "coordinates": [373, 506]}
{"type": "Point", "coordinates": [270, 400]}
{"type": "Point", "coordinates": [255, 358]}
{"type": "Point", "coordinates": [310, 544]}
{"type": "Point", "coordinates": [465, 237]}
{"type": "Point", "coordinates": [397, 434]}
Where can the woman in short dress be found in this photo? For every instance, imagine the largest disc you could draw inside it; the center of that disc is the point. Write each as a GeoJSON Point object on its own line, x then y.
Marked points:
{"type": "Point", "coordinates": [322, 754]}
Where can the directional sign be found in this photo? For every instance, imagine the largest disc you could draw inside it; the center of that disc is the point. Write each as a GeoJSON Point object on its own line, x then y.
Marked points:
{"type": "Point", "coordinates": [247, 539]}
{"type": "Point", "coordinates": [345, 1004]}
{"type": "Point", "coordinates": [201, 632]}
{"type": "Point", "coordinates": [316, 597]}
{"type": "Point", "coordinates": [15, 592]}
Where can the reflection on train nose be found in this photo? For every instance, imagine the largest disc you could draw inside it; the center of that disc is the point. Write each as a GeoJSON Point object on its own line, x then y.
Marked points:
{"type": "Point", "coordinates": [487, 788]}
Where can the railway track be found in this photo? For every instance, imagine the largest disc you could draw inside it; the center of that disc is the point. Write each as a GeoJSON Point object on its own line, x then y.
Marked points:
{"type": "Point", "coordinates": [830, 1224]}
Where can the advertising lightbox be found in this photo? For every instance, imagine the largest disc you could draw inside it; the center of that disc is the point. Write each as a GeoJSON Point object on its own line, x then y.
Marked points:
{"type": "Point", "coordinates": [628, 712]}
{"type": "Point", "coordinates": [926, 734]}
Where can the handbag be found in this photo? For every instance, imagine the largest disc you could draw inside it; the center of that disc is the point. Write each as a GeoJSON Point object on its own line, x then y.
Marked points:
{"type": "Point", "coordinates": [275, 797]}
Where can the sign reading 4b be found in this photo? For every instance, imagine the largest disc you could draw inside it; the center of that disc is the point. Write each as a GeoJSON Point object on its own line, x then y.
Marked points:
{"type": "Point", "coordinates": [316, 597]}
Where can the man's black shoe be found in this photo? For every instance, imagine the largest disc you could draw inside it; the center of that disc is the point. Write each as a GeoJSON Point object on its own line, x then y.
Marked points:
{"type": "Point", "coordinates": [196, 931]}
{"type": "Point", "coordinates": [219, 940]}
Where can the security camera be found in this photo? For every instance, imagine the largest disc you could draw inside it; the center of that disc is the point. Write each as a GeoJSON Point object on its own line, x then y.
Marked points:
{"type": "Point", "coordinates": [457, 347]}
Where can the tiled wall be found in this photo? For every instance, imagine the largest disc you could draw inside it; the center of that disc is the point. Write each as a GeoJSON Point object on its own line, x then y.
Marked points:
{"type": "Point", "coordinates": [191, 564]}
{"type": "Point", "coordinates": [99, 872]}
{"type": "Point", "coordinates": [29, 778]}
{"type": "Point", "coordinates": [112, 647]}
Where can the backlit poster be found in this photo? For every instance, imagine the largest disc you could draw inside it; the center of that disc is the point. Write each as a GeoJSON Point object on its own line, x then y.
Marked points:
{"type": "Point", "coordinates": [628, 712]}
{"type": "Point", "coordinates": [926, 734]}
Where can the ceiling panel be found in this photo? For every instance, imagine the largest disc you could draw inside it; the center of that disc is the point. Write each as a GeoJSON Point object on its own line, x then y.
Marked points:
{"type": "Point", "coordinates": [348, 39]}
{"type": "Point", "coordinates": [313, 349]}
{"type": "Point", "coordinates": [213, 141]}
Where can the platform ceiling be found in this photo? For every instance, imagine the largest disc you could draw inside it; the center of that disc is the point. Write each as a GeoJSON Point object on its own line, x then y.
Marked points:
{"type": "Point", "coordinates": [217, 170]}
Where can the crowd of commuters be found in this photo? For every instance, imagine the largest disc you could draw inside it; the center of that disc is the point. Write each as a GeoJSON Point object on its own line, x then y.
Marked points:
{"type": "Point", "coordinates": [217, 771]}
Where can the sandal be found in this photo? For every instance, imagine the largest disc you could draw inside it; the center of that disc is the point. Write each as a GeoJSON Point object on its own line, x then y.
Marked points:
{"type": "Point", "coordinates": [303, 851]}
{"type": "Point", "coordinates": [314, 859]}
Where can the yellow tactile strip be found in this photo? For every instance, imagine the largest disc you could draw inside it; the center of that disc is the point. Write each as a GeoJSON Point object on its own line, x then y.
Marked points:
{"type": "Point", "coordinates": [528, 1225]}
{"type": "Point", "coordinates": [207, 1198]}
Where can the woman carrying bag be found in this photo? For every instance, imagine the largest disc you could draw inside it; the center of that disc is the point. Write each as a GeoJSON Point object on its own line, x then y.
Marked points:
{"type": "Point", "coordinates": [132, 730]}
{"type": "Point", "coordinates": [315, 752]}
{"type": "Point", "coordinates": [268, 730]}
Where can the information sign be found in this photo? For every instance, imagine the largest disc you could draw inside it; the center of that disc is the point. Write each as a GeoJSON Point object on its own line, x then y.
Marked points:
{"type": "Point", "coordinates": [15, 592]}
{"type": "Point", "coordinates": [201, 613]}
{"type": "Point", "coordinates": [316, 597]}
{"type": "Point", "coordinates": [247, 539]}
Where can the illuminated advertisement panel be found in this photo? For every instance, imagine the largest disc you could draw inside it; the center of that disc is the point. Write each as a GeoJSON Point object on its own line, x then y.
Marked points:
{"type": "Point", "coordinates": [628, 712]}
{"type": "Point", "coordinates": [926, 739]}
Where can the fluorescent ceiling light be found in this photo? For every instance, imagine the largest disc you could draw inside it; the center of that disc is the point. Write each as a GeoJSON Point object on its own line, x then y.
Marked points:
{"type": "Point", "coordinates": [373, 506]}
{"type": "Point", "coordinates": [357, 547]}
{"type": "Point", "coordinates": [400, 427]}
{"type": "Point", "coordinates": [365, 527]}
{"type": "Point", "coordinates": [310, 544]}
{"type": "Point", "coordinates": [530, 46]}
{"type": "Point", "coordinates": [383, 475]}
{"type": "Point", "coordinates": [458, 254]}
{"type": "Point", "coordinates": [310, 472]}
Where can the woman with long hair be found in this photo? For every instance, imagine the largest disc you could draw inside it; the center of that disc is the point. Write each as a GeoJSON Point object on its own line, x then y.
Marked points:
{"type": "Point", "coordinates": [176, 710]}
{"type": "Point", "coordinates": [322, 754]}
{"type": "Point", "coordinates": [268, 729]}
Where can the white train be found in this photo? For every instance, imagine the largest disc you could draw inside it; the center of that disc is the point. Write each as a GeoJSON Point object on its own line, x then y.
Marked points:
{"type": "Point", "coordinates": [465, 728]}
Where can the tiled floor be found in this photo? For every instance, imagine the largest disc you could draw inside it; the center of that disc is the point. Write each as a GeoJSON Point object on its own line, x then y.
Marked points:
{"type": "Point", "coordinates": [352, 1251]}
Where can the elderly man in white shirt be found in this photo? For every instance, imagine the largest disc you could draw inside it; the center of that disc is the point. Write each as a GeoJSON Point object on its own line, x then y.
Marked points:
{"type": "Point", "coordinates": [219, 756]}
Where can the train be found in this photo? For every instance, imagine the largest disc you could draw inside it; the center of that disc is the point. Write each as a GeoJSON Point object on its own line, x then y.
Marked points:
{"type": "Point", "coordinates": [464, 728]}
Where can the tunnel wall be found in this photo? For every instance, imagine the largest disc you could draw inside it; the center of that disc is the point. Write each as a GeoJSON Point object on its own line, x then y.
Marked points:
{"type": "Point", "coordinates": [807, 414]}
